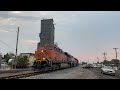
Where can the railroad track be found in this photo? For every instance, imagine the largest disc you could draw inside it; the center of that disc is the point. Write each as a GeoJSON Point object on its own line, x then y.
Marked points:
{"type": "Point", "coordinates": [20, 75]}
{"type": "Point", "coordinates": [24, 75]}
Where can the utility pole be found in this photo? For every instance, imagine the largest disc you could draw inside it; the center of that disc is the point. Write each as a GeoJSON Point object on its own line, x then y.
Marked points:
{"type": "Point", "coordinates": [116, 52]}
{"type": "Point", "coordinates": [105, 55]}
{"type": "Point", "coordinates": [15, 62]}
{"type": "Point", "coordinates": [98, 59]}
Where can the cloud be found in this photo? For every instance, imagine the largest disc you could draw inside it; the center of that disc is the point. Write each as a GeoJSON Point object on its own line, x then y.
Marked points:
{"type": "Point", "coordinates": [12, 21]}
{"type": "Point", "coordinates": [7, 21]}
{"type": "Point", "coordinates": [16, 12]}
{"type": "Point", "coordinates": [30, 41]}
{"type": "Point", "coordinates": [43, 13]}
{"type": "Point", "coordinates": [4, 14]}
{"type": "Point", "coordinates": [3, 30]}
{"type": "Point", "coordinates": [24, 16]}
{"type": "Point", "coordinates": [4, 22]}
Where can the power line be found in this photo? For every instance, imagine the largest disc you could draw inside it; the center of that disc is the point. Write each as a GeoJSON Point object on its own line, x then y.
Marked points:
{"type": "Point", "coordinates": [6, 44]}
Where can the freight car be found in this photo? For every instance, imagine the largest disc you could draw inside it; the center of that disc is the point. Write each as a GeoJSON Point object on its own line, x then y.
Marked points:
{"type": "Point", "coordinates": [51, 57]}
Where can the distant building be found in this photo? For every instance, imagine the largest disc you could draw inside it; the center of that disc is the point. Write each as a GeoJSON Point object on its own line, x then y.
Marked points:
{"type": "Point", "coordinates": [47, 32]}
{"type": "Point", "coordinates": [30, 57]}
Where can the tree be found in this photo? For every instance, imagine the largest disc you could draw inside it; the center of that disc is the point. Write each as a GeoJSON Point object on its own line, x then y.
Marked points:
{"type": "Point", "coordinates": [22, 62]}
{"type": "Point", "coordinates": [106, 62]}
{"type": "Point", "coordinates": [115, 61]}
{"type": "Point", "coordinates": [98, 62]}
{"type": "Point", "coordinates": [101, 62]}
{"type": "Point", "coordinates": [8, 56]}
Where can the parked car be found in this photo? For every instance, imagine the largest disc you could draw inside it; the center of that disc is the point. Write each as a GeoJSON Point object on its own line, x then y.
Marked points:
{"type": "Point", "coordinates": [87, 66]}
{"type": "Point", "coordinates": [97, 65]}
{"type": "Point", "coordinates": [115, 68]}
{"type": "Point", "coordinates": [108, 70]}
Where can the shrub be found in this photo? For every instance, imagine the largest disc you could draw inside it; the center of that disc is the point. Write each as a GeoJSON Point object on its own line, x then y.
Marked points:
{"type": "Point", "coordinates": [22, 62]}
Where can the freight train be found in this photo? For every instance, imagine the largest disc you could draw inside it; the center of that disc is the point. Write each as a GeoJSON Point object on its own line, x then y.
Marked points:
{"type": "Point", "coordinates": [49, 56]}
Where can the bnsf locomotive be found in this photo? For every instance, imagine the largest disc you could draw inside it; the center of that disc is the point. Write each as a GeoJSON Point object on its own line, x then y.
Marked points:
{"type": "Point", "coordinates": [50, 57]}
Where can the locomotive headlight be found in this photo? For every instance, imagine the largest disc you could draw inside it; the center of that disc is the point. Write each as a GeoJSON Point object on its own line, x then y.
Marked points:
{"type": "Point", "coordinates": [41, 50]}
{"type": "Point", "coordinates": [43, 58]}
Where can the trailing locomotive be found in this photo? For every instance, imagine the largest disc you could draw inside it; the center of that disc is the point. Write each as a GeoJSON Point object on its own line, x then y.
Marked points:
{"type": "Point", "coordinates": [49, 56]}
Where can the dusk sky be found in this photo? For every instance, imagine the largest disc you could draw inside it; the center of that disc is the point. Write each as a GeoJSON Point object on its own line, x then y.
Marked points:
{"type": "Point", "coordinates": [83, 34]}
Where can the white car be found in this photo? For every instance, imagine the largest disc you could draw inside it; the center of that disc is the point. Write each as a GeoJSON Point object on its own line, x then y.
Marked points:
{"type": "Point", "coordinates": [108, 70]}
{"type": "Point", "coordinates": [115, 68]}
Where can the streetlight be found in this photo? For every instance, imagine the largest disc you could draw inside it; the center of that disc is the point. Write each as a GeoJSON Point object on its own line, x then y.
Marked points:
{"type": "Point", "coordinates": [116, 54]}
{"type": "Point", "coordinates": [116, 51]}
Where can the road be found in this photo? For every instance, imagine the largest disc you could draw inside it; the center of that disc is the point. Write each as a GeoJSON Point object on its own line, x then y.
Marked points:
{"type": "Point", "coordinates": [73, 73]}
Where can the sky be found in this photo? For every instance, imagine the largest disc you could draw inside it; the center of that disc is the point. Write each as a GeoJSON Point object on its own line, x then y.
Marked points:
{"type": "Point", "coordinates": [84, 34]}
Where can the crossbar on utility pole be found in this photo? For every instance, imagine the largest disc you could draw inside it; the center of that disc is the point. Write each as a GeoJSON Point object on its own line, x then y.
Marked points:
{"type": "Point", "coordinates": [16, 48]}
